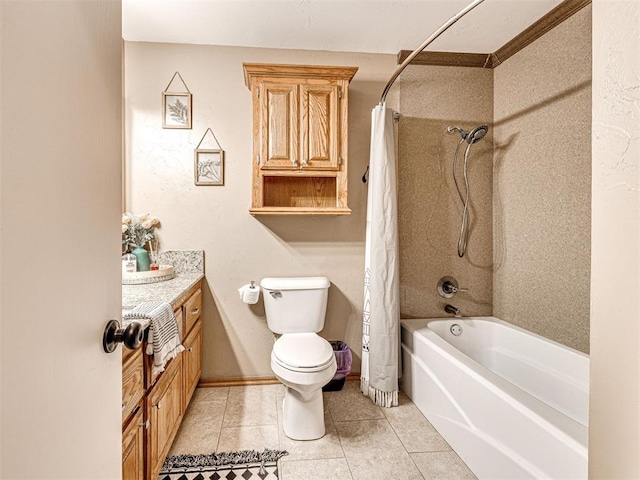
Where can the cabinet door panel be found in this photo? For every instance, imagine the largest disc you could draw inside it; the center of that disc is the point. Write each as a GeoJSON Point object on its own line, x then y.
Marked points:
{"type": "Point", "coordinates": [192, 362]}
{"type": "Point", "coordinates": [132, 382]}
{"type": "Point", "coordinates": [279, 126]}
{"type": "Point", "coordinates": [320, 126]}
{"type": "Point", "coordinates": [164, 407]}
{"type": "Point", "coordinates": [132, 449]}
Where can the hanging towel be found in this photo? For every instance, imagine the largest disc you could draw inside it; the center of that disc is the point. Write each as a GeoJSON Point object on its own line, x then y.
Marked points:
{"type": "Point", "coordinates": [164, 337]}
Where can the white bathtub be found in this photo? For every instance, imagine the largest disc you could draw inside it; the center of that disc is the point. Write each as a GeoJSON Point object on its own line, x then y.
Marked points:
{"type": "Point", "coordinates": [512, 404]}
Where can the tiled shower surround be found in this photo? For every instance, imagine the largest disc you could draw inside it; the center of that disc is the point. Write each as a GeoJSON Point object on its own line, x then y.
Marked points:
{"type": "Point", "coordinates": [528, 260]}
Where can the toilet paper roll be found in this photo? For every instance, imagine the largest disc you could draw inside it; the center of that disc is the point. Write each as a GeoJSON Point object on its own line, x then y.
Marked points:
{"type": "Point", "coordinates": [249, 294]}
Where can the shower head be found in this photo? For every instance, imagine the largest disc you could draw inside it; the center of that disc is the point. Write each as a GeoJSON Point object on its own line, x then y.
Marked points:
{"type": "Point", "coordinates": [477, 134]}
{"type": "Point", "coordinates": [473, 136]}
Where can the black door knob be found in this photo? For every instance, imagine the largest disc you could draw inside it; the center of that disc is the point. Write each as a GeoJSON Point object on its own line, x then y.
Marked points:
{"type": "Point", "coordinates": [131, 336]}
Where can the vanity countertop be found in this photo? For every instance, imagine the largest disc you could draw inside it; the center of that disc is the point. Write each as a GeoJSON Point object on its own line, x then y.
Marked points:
{"type": "Point", "coordinates": [171, 291]}
{"type": "Point", "coordinates": [189, 268]}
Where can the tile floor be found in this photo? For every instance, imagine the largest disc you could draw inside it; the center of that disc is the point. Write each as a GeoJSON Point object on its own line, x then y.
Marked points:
{"type": "Point", "coordinates": [363, 441]}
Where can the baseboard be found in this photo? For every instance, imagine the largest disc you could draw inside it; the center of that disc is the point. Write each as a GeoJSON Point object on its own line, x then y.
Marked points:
{"type": "Point", "coordinates": [244, 381]}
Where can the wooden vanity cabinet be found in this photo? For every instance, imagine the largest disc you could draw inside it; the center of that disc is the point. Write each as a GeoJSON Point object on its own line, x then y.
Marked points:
{"type": "Point", "coordinates": [164, 411]}
{"type": "Point", "coordinates": [192, 362]}
{"type": "Point", "coordinates": [132, 382]}
{"type": "Point", "coordinates": [153, 407]}
{"type": "Point", "coordinates": [300, 138]}
{"type": "Point", "coordinates": [133, 446]}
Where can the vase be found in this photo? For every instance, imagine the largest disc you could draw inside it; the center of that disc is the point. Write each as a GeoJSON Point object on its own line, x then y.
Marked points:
{"type": "Point", "coordinates": [142, 257]}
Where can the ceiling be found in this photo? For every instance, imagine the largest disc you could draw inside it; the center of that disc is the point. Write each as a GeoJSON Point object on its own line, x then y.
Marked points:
{"type": "Point", "coordinates": [375, 26]}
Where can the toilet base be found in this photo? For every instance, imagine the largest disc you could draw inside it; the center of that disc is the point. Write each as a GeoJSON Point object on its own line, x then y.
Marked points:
{"type": "Point", "coordinates": [303, 415]}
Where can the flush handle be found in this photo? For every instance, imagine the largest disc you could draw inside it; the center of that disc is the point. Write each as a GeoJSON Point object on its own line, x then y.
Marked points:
{"type": "Point", "coordinates": [275, 294]}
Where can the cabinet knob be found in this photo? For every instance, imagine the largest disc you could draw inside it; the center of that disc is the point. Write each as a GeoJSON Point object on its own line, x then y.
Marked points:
{"type": "Point", "coordinates": [145, 425]}
{"type": "Point", "coordinates": [305, 162]}
{"type": "Point", "coordinates": [190, 349]}
{"type": "Point", "coordinates": [195, 311]}
{"type": "Point", "coordinates": [158, 405]}
{"type": "Point", "coordinates": [294, 161]}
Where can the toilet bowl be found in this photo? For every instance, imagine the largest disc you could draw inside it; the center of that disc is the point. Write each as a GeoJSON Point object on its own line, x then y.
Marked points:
{"type": "Point", "coordinates": [302, 360]}
{"type": "Point", "coordinates": [302, 407]}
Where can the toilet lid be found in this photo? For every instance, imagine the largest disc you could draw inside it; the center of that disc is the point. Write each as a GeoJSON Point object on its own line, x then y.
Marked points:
{"type": "Point", "coordinates": [303, 351]}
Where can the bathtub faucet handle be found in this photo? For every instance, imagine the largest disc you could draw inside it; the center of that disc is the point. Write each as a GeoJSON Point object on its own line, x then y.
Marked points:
{"type": "Point", "coordinates": [458, 289]}
{"type": "Point", "coordinates": [448, 287]}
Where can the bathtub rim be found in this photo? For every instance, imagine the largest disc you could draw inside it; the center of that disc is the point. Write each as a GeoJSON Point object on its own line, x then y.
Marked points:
{"type": "Point", "coordinates": [575, 433]}
{"type": "Point", "coordinates": [425, 321]}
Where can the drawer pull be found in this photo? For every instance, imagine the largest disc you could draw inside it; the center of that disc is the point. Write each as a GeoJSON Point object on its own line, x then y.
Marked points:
{"type": "Point", "coordinates": [195, 311]}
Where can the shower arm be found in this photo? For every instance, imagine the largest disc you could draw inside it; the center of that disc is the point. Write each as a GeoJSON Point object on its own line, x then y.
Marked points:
{"type": "Point", "coordinates": [426, 43]}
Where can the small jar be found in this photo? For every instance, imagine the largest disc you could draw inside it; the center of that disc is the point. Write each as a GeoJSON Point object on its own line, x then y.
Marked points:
{"type": "Point", "coordinates": [129, 263]}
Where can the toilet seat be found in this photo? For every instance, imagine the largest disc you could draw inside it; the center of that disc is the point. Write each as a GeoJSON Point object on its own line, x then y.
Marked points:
{"type": "Point", "coordinates": [302, 352]}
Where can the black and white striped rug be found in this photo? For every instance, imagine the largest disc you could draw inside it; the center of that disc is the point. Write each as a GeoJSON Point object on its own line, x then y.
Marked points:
{"type": "Point", "coordinates": [242, 465]}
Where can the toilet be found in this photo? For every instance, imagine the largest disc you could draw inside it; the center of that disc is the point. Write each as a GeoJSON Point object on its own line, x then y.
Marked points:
{"type": "Point", "coordinates": [302, 360]}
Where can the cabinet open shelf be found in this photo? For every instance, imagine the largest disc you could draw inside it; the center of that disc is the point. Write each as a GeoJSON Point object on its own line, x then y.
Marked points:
{"type": "Point", "coordinates": [299, 211]}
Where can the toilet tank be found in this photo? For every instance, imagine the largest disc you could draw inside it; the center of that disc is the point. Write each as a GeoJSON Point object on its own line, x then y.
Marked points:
{"type": "Point", "coordinates": [295, 304]}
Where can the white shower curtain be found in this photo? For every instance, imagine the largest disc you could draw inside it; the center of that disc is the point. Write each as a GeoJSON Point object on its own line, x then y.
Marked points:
{"type": "Point", "coordinates": [381, 312]}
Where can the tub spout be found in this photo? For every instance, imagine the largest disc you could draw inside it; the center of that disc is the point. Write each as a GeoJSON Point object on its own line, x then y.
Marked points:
{"type": "Point", "coordinates": [455, 311]}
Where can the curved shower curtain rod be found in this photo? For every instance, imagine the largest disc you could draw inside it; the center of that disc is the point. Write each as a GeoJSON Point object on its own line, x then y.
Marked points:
{"type": "Point", "coordinates": [426, 43]}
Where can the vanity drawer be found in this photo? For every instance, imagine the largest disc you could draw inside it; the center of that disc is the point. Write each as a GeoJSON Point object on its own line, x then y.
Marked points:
{"type": "Point", "coordinates": [192, 309]}
{"type": "Point", "coordinates": [180, 320]}
{"type": "Point", "coordinates": [132, 382]}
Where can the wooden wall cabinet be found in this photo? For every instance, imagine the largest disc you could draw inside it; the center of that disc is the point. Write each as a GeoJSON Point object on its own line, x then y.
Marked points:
{"type": "Point", "coordinates": [153, 407]}
{"type": "Point", "coordinates": [300, 138]}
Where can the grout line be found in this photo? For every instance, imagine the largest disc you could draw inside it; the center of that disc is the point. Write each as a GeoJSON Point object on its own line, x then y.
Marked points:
{"type": "Point", "coordinates": [349, 466]}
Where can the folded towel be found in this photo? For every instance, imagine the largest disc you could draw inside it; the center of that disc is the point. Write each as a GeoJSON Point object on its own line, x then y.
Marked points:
{"type": "Point", "coordinates": [164, 337]}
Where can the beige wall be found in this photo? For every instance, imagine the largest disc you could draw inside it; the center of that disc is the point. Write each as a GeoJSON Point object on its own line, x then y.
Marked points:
{"type": "Point", "coordinates": [429, 208]}
{"type": "Point", "coordinates": [614, 442]}
{"type": "Point", "coordinates": [239, 247]}
{"type": "Point", "coordinates": [542, 184]}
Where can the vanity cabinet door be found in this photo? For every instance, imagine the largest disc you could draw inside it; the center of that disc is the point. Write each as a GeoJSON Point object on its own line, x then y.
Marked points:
{"type": "Point", "coordinates": [132, 382]}
{"type": "Point", "coordinates": [192, 362]}
{"type": "Point", "coordinates": [133, 447]}
{"type": "Point", "coordinates": [164, 411]}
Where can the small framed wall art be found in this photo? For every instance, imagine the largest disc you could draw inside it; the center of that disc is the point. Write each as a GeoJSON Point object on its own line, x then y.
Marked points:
{"type": "Point", "coordinates": [209, 163]}
{"type": "Point", "coordinates": [176, 106]}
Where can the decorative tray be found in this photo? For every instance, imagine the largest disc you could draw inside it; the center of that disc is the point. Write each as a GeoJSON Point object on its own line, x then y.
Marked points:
{"type": "Point", "coordinates": [165, 272]}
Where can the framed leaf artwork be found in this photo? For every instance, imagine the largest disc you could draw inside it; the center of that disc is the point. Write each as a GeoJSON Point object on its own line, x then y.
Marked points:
{"type": "Point", "coordinates": [208, 165]}
{"type": "Point", "coordinates": [176, 106]}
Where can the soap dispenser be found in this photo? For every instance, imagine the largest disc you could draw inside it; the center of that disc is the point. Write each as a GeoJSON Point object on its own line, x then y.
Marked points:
{"type": "Point", "coordinates": [129, 263]}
